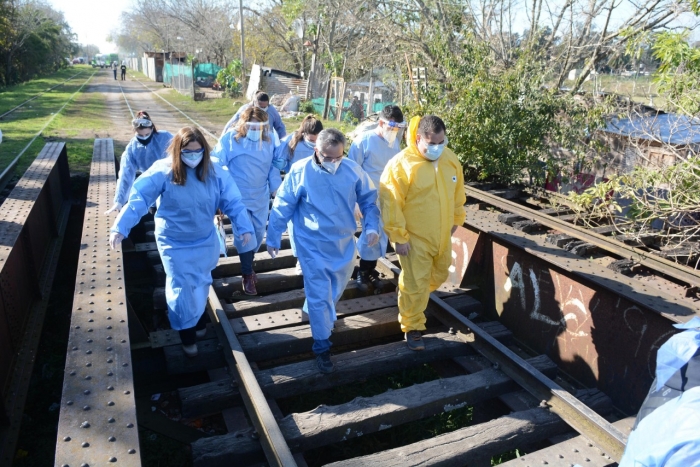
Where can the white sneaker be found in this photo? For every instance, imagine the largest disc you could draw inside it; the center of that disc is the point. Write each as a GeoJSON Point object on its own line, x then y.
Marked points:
{"type": "Point", "coordinates": [190, 350]}
{"type": "Point", "coordinates": [201, 333]}
{"type": "Point", "coordinates": [298, 270]}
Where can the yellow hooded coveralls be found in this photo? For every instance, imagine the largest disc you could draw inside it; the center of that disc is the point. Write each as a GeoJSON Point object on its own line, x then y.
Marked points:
{"type": "Point", "coordinates": [420, 202]}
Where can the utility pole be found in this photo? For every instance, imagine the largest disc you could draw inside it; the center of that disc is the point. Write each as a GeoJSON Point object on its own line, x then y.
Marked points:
{"type": "Point", "coordinates": [240, 11]}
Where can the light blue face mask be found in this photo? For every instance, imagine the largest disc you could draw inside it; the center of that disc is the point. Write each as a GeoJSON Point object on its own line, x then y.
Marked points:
{"type": "Point", "coordinates": [310, 144]}
{"type": "Point", "coordinates": [434, 151]}
{"type": "Point", "coordinates": [254, 135]}
{"type": "Point", "coordinates": [192, 158]}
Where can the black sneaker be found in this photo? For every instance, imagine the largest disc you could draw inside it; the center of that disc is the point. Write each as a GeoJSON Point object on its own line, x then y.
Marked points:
{"type": "Point", "coordinates": [324, 363]}
{"type": "Point", "coordinates": [414, 340]}
{"type": "Point", "coordinates": [363, 280]}
{"type": "Point", "coordinates": [374, 279]}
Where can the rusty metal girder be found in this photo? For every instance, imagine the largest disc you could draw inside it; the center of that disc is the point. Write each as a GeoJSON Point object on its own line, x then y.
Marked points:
{"type": "Point", "coordinates": [97, 424]}
{"type": "Point", "coordinates": [32, 221]}
{"type": "Point", "coordinates": [599, 326]}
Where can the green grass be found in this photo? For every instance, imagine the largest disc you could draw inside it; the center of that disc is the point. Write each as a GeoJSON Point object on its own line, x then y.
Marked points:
{"type": "Point", "coordinates": [22, 125]}
{"type": "Point", "coordinates": [14, 95]}
{"type": "Point", "coordinates": [641, 89]}
{"type": "Point", "coordinates": [77, 126]}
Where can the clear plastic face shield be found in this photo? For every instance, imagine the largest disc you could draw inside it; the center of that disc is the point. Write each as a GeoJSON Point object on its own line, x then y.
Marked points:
{"type": "Point", "coordinates": [392, 131]}
{"type": "Point", "coordinates": [256, 133]}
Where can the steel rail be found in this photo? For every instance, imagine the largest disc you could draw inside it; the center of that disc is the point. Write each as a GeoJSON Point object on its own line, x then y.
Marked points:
{"type": "Point", "coordinates": [575, 413]}
{"type": "Point", "coordinates": [126, 100]}
{"type": "Point", "coordinates": [39, 94]}
{"type": "Point", "coordinates": [273, 443]}
{"type": "Point", "coordinates": [661, 265]}
{"type": "Point", "coordinates": [174, 107]}
{"type": "Point", "coordinates": [9, 170]}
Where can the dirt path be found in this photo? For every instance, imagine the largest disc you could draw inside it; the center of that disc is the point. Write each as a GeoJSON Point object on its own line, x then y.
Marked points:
{"type": "Point", "coordinates": [138, 98]}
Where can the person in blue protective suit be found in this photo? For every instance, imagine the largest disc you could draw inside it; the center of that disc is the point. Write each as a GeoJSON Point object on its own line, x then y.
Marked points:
{"type": "Point", "coordinates": [372, 151]}
{"type": "Point", "coordinates": [295, 147]}
{"type": "Point", "coordinates": [667, 429]}
{"type": "Point", "coordinates": [249, 155]}
{"type": "Point", "coordinates": [262, 102]}
{"type": "Point", "coordinates": [319, 195]}
{"type": "Point", "coordinates": [190, 189]}
{"type": "Point", "coordinates": [146, 147]}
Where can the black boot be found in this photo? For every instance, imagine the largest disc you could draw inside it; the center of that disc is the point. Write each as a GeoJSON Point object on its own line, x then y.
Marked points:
{"type": "Point", "coordinates": [363, 280]}
{"type": "Point", "coordinates": [374, 279]}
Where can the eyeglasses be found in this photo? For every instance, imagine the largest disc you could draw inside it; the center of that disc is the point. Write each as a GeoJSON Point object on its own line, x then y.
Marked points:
{"type": "Point", "coordinates": [330, 159]}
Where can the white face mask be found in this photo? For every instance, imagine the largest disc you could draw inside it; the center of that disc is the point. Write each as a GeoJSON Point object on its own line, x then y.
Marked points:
{"type": "Point", "coordinates": [264, 109]}
{"type": "Point", "coordinates": [146, 136]}
{"type": "Point", "coordinates": [331, 167]}
{"type": "Point", "coordinates": [192, 159]}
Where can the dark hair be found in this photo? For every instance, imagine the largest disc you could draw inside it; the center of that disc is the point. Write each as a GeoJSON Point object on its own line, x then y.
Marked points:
{"type": "Point", "coordinates": [181, 139]}
{"type": "Point", "coordinates": [247, 115]}
{"type": "Point", "coordinates": [309, 126]}
{"type": "Point", "coordinates": [144, 114]}
{"type": "Point", "coordinates": [392, 111]}
{"type": "Point", "coordinates": [330, 137]}
{"type": "Point", "coordinates": [262, 96]}
{"type": "Point", "coordinates": [431, 124]}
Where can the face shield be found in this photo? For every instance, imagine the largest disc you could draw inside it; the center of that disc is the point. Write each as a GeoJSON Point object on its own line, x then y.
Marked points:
{"type": "Point", "coordinates": [392, 131]}
{"type": "Point", "coordinates": [256, 134]}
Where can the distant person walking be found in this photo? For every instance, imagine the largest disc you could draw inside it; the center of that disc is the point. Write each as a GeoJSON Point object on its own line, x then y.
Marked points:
{"type": "Point", "coordinates": [114, 69]}
{"type": "Point", "coordinates": [123, 71]}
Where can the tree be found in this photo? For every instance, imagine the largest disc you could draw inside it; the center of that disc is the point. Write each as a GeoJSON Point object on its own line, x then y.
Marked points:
{"type": "Point", "coordinates": [34, 39]}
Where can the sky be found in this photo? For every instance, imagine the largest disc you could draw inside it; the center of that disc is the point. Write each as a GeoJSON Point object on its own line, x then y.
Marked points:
{"type": "Point", "coordinates": [93, 20]}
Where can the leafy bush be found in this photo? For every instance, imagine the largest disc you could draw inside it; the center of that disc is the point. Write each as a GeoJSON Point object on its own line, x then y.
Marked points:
{"type": "Point", "coordinates": [503, 122]}
{"type": "Point", "coordinates": [306, 107]}
{"type": "Point", "coordinates": [228, 79]}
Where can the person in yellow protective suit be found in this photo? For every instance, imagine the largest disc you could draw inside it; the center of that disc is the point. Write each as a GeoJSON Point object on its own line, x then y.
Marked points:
{"type": "Point", "coordinates": [422, 200]}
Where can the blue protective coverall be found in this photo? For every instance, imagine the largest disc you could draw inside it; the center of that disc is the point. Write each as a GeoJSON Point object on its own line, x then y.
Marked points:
{"type": "Point", "coordinates": [272, 114]}
{"type": "Point", "coordinates": [185, 234]}
{"type": "Point", "coordinates": [250, 164]}
{"type": "Point", "coordinates": [302, 151]}
{"type": "Point", "coordinates": [372, 153]}
{"type": "Point", "coordinates": [669, 436]}
{"type": "Point", "coordinates": [667, 432]}
{"type": "Point", "coordinates": [138, 158]}
{"type": "Point", "coordinates": [321, 205]}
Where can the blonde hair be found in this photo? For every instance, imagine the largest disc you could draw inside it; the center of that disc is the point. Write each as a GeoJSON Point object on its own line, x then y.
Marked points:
{"type": "Point", "coordinates": [247, 115]}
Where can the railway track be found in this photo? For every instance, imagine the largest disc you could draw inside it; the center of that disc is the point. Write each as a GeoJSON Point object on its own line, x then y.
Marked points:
{"type": "Point", "coordinates": [256, 357]}
{"type": "Point", "coordinates": [37, 95]}
{"type": "Point", "coordinates": [533, 347]}
{"type": "Point", "coordinates": [8, 172]}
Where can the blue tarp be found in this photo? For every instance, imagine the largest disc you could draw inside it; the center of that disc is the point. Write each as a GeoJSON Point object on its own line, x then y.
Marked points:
{"type": "Point", "coordinates": [666, 128]}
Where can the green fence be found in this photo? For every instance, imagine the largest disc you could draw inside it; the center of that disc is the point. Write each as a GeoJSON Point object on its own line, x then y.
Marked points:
{"type": "Point", "coordinates": [179, 76]}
